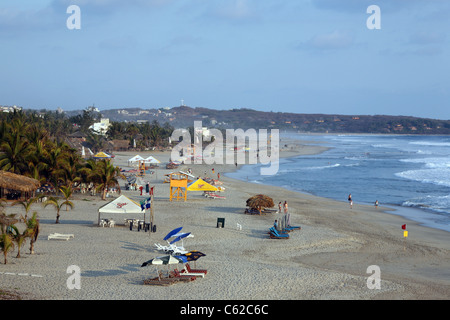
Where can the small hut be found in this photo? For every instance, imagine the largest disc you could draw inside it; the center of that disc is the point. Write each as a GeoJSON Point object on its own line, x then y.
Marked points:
{"type": "Point", "coordinates": [14, 186]}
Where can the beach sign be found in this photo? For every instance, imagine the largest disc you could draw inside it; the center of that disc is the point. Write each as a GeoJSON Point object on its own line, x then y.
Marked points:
{"type": "Point", "coordinates": [405, 234]}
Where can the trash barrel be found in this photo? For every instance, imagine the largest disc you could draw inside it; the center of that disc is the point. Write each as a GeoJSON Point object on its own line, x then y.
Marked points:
{"type": "Point", "coordinates": [220, 222]}
{"type": "Point", "coordinates": [154, 228]}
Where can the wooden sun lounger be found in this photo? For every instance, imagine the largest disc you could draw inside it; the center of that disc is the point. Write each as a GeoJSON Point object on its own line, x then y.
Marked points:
{"type": "Point", "coordinates": [161, 280]}
{"type": "Point", "coordinates": [60, 236]}
{"type": "Point", "coordinates": [182, 277]}
{"type": "Point", "coordinates": [196, 274]}
{"type": "Point", "coordinates": [190, 270]}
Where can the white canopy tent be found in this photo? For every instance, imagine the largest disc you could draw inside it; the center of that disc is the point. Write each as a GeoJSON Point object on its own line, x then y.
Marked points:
{"type": "Point", "coordinates": [151, 159]}
{"type": "Point", "coordinates": [121, 206]}
{"type": "Point", "coordinates": [135, 159]}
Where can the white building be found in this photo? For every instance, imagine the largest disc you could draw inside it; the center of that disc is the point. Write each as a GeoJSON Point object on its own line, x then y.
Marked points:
{"type": "Point", "coordinates": [101, 127]}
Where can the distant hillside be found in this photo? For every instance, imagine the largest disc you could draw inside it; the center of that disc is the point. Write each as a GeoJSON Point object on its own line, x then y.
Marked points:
{"type": "Point", "coordinates": [184, 116]}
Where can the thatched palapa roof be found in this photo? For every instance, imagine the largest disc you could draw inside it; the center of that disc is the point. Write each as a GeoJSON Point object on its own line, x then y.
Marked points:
{"type": "Point", "coordinates": [259, 202]}
{"type": "Point", "coordinates": [12, 181]}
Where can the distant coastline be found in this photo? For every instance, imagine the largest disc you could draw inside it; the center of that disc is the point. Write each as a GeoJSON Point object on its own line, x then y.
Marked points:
{"type": "Point", "coordinates": [184, 117]}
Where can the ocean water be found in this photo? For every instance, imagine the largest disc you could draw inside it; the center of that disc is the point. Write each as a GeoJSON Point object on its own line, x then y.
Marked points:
{"type": "Point", "coordinates": [408, 173]}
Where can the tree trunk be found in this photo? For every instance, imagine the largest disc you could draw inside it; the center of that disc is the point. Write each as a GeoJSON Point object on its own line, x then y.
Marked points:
{"type": "Point", "coordinates": [32, 246]}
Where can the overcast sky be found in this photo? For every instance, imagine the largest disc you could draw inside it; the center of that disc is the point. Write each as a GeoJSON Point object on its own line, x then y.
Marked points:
{"type": "Point", "coordinates": [304, 56]}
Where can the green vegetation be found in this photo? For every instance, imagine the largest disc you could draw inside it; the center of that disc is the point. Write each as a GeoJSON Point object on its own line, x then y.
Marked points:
{"type": "Point", "coordinates": [34, 146]}
{"type": "Point", "coordinates": [12, 235]}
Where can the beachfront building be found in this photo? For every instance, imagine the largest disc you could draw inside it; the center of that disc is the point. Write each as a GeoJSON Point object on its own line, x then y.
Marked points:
{"type": "Point", "coordinates": [14, 186]}
{"type": "Point", "coordinates": [101, 127]}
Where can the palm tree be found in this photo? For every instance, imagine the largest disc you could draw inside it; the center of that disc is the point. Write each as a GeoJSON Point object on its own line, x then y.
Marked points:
{"type": "Point", "coordinates": [53, 166]}
{"type": "Point", "coordinates": [32, 225]}
{"type": "Point", "coordinates": [6, 244]}
{"type": "Point", "coordinates": [67, 193]}
{"type": "Point", "coordinates": [14, 149]}
{"type": "Point", "coordinates": [70, 169]}
{"type": "Point", "coordinates": [96, 141]}
{"type": "Point", "coordinates": [105, 176]}
{"type": "Point", "coordinates": [18, 238]}
{"type": "Point", "coordinates": [53, 201]}
{"type": "Point", "coordinates": [26, 204]}
{"type": "Point", "coordinates": [7, 220]}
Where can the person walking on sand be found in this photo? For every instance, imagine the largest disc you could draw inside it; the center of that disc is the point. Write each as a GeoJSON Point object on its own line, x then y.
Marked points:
{"type": "Point", "coordinates": [376, 204]}
{"type": "Point", "coordinates": [279, 207]}
{"type": "Point", "coordinates": [285, 207]}
{"type": "Point", "coordinates": [350, 200]}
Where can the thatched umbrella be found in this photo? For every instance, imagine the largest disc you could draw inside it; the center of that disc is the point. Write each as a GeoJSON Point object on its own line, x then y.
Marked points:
{"type": "Point", "coordinates": [259, 202]}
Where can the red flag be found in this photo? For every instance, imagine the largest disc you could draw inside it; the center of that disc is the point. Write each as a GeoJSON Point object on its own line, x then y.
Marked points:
{"type": "Point", "coordinates": [404, 227]}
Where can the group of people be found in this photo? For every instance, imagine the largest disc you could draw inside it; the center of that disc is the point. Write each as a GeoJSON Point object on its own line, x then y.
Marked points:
{"type": "Point", "coordinates": [283, 206]}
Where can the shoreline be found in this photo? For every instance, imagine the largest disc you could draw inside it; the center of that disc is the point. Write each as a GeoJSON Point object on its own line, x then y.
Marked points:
{"type": "Point", "coordinates": [393, 209]}
{"type": "Point", "coordinates": [327, 259]}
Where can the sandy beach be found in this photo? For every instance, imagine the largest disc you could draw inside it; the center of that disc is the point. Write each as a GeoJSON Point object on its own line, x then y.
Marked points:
{"type": "Point", "coordinates": [327, 259]}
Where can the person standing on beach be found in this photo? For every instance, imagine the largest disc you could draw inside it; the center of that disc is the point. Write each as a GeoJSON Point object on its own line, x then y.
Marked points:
{"type": "Point", "coordinates": [279, 207]}
{"type": "Point", "coordinates": [376, 204]}
{"type": "Point", "coordinates": [285, 207]}
{"type": "Point", "coordinates": [350, 200]}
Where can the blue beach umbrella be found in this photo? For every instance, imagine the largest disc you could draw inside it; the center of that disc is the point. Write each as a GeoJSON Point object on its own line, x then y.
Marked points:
{"type": "Point", "coordinates": [171, 233]}
{"type": "Point", "coordinates": [184, 259]}
{"type": "Point", "coordinates": [184, 235]}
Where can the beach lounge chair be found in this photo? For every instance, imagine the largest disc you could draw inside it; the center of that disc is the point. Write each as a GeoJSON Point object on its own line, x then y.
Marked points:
{"type": "Point", "coordinates": [168, 249]}
{"type": "Point", "coordinates": [269, 210]}
{"type": "Point", "coordinates": [213, 195]}
{"type": "Point", "coordinates": [181, 276]}
{"type": "Point", "coordinates": [60, 236]}
{"type": "Point", "coordinates": [161, 247]}
{"type": "Point", "coordinates": [274, 234]}
{"type": "Point", "coordinates": [173, 249]}
{"type": "Point", "coordinates": [197, 274]}
{"type": "Point", "coordinates": [251, 211]}
{"type": "Point", "coordinates": [161, 281]}
{"type": "Point", "coordinates": [291, 228]}
{"type": "Point", "coordinates": [188, 268]}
